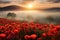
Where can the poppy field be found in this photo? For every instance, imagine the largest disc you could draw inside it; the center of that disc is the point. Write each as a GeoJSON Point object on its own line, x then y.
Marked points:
{"type": "Point", "coordinates": [16, 30]}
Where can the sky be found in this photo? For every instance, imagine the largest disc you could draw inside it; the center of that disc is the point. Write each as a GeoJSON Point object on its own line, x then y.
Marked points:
{"type": "Point", "coordinates": [40, 3]}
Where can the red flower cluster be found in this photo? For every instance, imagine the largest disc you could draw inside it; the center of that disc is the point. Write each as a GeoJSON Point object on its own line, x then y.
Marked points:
{"type": "Point", "coordinates": [33, 36]}
{"type": "Point", "coordinates": [17, 30]}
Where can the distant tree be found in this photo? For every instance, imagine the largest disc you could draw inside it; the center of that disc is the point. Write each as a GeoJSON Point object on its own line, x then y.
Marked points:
{"type": "Point", "coordinates": [50, 19]}
{"type": "Point", "coordinates": [57, 19]}
{"type": "Point", "coordinates": [11, 15]}
{"type": "Point", "coordinates": [37, 20]}
{"type": "Point", "coordinates": [30, 18]}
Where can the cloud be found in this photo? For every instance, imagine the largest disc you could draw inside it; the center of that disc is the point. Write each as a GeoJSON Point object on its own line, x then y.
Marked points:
{"type": "Point", "coordinates": [54, 9]}
{"type": "Point", "coordinates": [5, 1]}
{"type": "Point", "coordinates": [12, 1]}
{"type": "Point", "coordinates": [55, 1]}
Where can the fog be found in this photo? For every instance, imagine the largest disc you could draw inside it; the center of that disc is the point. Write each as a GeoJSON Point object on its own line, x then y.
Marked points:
{"type": "Point", "coordinates": [37, 16]}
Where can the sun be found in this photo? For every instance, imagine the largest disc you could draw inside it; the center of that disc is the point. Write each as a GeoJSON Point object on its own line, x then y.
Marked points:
{"type": "Point", "coordinates": [30, 6]}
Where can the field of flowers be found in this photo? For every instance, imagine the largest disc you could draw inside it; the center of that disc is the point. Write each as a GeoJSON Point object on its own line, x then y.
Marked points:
{"type": "Point", "coordinates": [16, 30]}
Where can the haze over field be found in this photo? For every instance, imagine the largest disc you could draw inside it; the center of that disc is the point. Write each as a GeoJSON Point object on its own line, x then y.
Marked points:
{"type": "Point", "coordinates": [32, 10]}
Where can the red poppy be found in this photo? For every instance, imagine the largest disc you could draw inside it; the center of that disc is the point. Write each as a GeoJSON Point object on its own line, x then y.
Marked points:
{"type": "Point", "coordinates": [32, 25]}
{"type": "Point", "coordinates": [58, 28]}
{"type": "Point", "coordinates": [45, 26]}
{"type": "Point", "coordinates": [33, 36]}
{"type": "Point", "coordinates": [15, 31]}
{"type": "Point", "coordinates": [25, 25]}
{"type": "Point", "coordinates": [1, 27]}
{"type": "Point", "coordinates": [40, 28]}
{"type": "Point", "coordinates": [26, 36]}
{"type": "Point", "coordinates": [37, 25]}
{"type": "Point", "coordinates": [39, 38]}
{"type": "Point", "coordinates": [53, 30]}
{"type": "Point", "coordinates": [44, 35]}
{"type": "Point", "coordinates": [49, 34]}
{"type": "Point", "coordinates": [2, 35]}
{"type": "Point", "coordinates": [29, 37]}
{"type": "Point", "coordinates": [52, 26]}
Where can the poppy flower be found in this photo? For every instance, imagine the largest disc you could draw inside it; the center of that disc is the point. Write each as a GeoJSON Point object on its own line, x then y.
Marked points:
{"type": "Point", "coordinates": [58, 28]}
{"type": "Point", "coordinates": [32, 25]}
{"type": "Point", "coordinates": [2, 35]}
{"type": "Point", "coordinates": [26, 36]}
{"type": "Point", "coordinates": [45, 26]}
{"type": "Point", "coordinates": [33, 36]}
{"type": "Point", "coordinates": [40, 28]}
{"type": "Point", "coordinates": [49, 34]}
{"type": "Point", "coordinates": [29, 37]}
{"type": "Point", "coordinates": [52, 25]}
{"type": "Point", "coordinates": [1, 27]}
{"type": "Point", "coordinates": [39, 38]}
{"type": "Point", "coordinates": [37, 25]}
{"type": "Point", "coordinates": [44, 35]}
{"type": "Point", "coordinates": [24, 25]}
{"type": "Point", "coordinates": [53, 30]}
{"type": "Point", "coordinates": [15, 31]}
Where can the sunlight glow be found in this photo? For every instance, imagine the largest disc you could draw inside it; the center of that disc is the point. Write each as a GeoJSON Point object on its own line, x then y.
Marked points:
{"type": "Point", "coordinates": [29, 6]}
